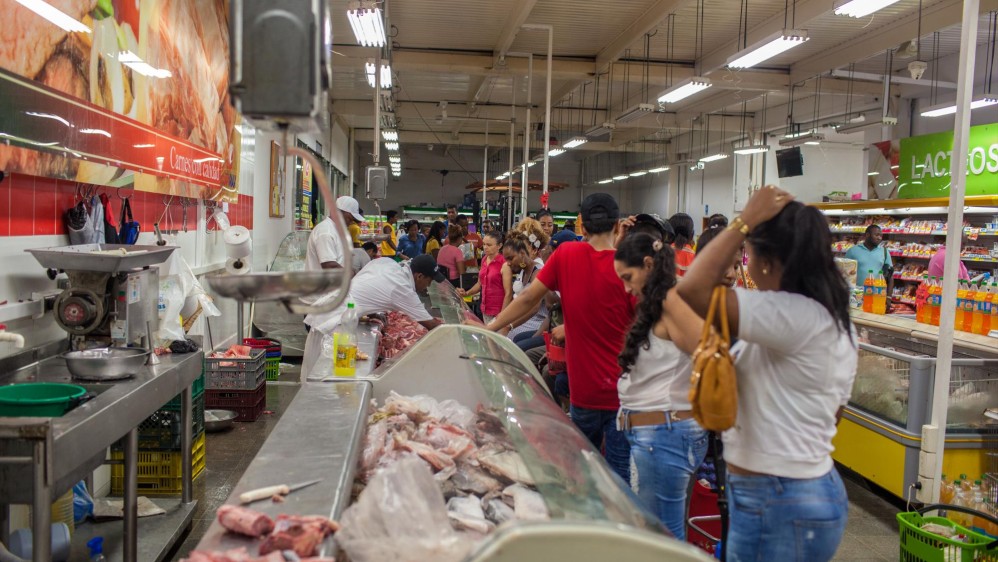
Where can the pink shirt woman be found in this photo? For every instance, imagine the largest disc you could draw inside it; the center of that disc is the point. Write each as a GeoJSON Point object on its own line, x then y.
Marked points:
{"type": "Point", "coordinates": [451, 256]}
{"type": "Point", "coordinates": [490, 278]}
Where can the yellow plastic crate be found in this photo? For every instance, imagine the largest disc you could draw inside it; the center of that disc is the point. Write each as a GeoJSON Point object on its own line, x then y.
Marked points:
{"type": "Point", "coordinates": [160, 473]}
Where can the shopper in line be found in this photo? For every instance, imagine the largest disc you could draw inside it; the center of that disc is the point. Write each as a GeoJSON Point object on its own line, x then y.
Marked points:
{"type": "Point", "coordinates": [598, 312]}
{"type": "Point", "coordinates": [473, 237]}
{"type": "Point", "coordinates": [937, 265]}
{"type": "Point", "coordinates": [325, 251]}
{"type": "Point", "coordinates": [733, 273]}
{"type": "Point", "coordinates": [450, 256]}
{"type": "Point", "coordinates": [451, 215]}
{"type": "Point", "coordinates": [546, 219]}
{"type": "Point", "coordinates": [717, 220]}
{"type": "Point", "coordinates": [716, 224]}
{"type": "Point", "coordinates": [412, 244]}
{"type": "Point", "coordinates": [390, 247]}
{"type": "Point", "coordinates": [682, 225]}
{"type": "Point", "coordinates": [371, 249]}
{"type": "Point", "coordinates": [521, 251]}
{"type": "Point", "coordinates": [871, 255]}
{"type": "Point", "coordinates": [490, 283]}
{"type": "Point", "coordinates": [795, 372]}
{"type": "Point", "coordinates": [667, 444]}
{"type": "Point", "coordinates": [435, 240]}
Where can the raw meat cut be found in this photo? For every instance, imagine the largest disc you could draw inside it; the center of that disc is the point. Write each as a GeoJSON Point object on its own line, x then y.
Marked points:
{"type": "Point", "coordinates": [399, 334]}
{"type": "Point", "coordinates": [244, 521]}
{"type": "Point", "coordinates": [302, 534]}
{"type": "Point", "coordinates": [242, 555]}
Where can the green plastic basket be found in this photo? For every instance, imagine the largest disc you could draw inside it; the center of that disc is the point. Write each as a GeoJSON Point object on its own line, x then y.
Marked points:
{"type": "Point", "coordinates": [273, 368]}
{"type": "Point", "coordinates": [197, 389]}
{"type": "Point", "coordinates": [39, 399]}
{"type": "Point", "coordinates": [922, 546]}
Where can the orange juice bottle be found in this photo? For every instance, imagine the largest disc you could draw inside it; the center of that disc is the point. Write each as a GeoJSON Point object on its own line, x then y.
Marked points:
{"type": "Point", "coordinates": [880, 294]}
{"type": "Point", "coordinates": [922, 301]}
{"type": "Point", "coordinates": [982, 311]}
{"type": "Point", "coordinates": [868, 290]}
{"type": "Point", "coordinates": [969, 304]}
{"type": "Point", "coordinates": [936, 300]}
{"type": "Point", "coordinates": [994, 306]}
{"type": "Point", "coordinates": [961, 297]}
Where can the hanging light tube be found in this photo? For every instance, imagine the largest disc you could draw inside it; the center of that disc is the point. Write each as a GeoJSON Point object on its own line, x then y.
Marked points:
{"type": "Point", "coordinates": [810, 138]}
{"type": "Point", "coordinates": [638, 173]}
{"type": "Point", "coordinates": [949, 109]}
{"type": "Point", "coordinates": [606, 181]}
{"type": "Point", "coordinates": [389, 135]}
{"type": "Point", "coordinates": [714, 157]}
{"type": "Point", "coordinates": [620, 177]}
{"type": "Point", "coordinates": [754, 149]}
{"type": "Point", "coordinates": [659, 170]}
{"type": "Point", "coordinates": [768, 48]}
{"type": "Point", "coordinates": [862, 8]}
{"type": "Point", "coordinates": [394, 158]}
{"type": "Point", "coordinates": [861, 126]}
{"type": "Point", "coordinates": [635, 113]}
{"type": "Point", "coordinates": [393, 146]}
{"type": "Point", "coordinates": [684, 89]}
{"type": "Point", "coordinates": [367, 24]}
{"type": "Point", "coordinates": [555, 152]}
{"type": "Point", "coordinates": [576, 142]}
{"type": "Point", "coordinates": [386, 74]}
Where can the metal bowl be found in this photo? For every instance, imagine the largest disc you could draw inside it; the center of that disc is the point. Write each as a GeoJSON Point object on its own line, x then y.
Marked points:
{"type": "Point", "coordinates": [105, 363]}
{"type": "Point", "coordinates": [218, 420]}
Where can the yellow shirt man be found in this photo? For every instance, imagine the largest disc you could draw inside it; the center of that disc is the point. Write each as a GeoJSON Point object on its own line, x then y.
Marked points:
{"type": "Point", "coordinates": [388, 248]}
{"type": "Point", "coordinates": [355, 231]}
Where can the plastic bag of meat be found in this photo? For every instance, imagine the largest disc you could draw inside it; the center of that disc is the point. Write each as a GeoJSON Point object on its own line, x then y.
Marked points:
{"type": "Point", "coordinates": [400, 517]}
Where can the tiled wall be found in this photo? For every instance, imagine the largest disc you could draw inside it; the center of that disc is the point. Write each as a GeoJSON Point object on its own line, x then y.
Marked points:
{"type": "Point", "coordinates": [34, 206]}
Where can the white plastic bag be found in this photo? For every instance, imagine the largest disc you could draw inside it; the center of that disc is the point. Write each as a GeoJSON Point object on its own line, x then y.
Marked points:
{"type": "Point", "coordinates": [171, 300]}
{"type": "Point", "coordinates": [401, 517]}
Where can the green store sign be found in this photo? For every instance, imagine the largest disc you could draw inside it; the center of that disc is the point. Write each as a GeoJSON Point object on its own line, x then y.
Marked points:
{"type": "Point", "coordinates": [924, 166]}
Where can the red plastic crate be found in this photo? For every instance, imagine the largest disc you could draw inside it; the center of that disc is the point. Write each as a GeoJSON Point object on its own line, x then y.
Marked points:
{"type": "Point", "coordinates": [248, 404]}
{"type": "Point", "coordinates": [250, 413]}
{"type": "Point", "coordinates": [703, 502]}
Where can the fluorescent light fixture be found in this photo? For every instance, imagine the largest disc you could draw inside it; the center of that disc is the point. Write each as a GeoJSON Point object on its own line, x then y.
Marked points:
{"type": "Point", "coordinates": [575, 142]}
{"type": "Point", "coordinates": [638, 173]}
{"type": "Point", "coordinates": [95, 132]}
{"type": "Point", "coordinates": [606, 181]}
{"type": "Point", "coordinates": [635, 113]}
{"type": "Point", "coordinates": [620, 177]}
{"type": "Point", "coordinates": [684, 89]}
{"type": "Point", "coordinates": [861, 8]}
{"type": "Point", "coordinates": [367, 23]}
{"type": "Point", "coordinates": [393, 146]}
{"type": "Point", "coordinates": [873, 173]}
{"type": "Point", "coordinates": [768, 48]}
{"type": "Point", "coordinates": [54, 15]}
{"type": "Point", "coordinates": [531, 164]}
{"type": "Point", "coordinates": [389, 135]}
{"type": "Point", "coordinates": [949, 109]}
{"type": "Point", "coordinates": [386, 74]}
{"type": "Point", "coordinates": [885, 121]}
{"type": "Point", "coordinates": [714, 157]}
{"type": "Point", "coordinates": [811, 138]}
{"type": "Point", "coordinates": [555, 152]}
{"type": "Point", "coordinates": [754, 149]}
{"type": "Point", "coordinates": [397, 174]}
{"type": "Point", "coordinates": [601, 130]}
{"type": "Point", "coordinates": [659, 170]}
{"type": "Point", "coordinates": [394, 158]}
{"type": "Point", "coordinates": [502, 176]}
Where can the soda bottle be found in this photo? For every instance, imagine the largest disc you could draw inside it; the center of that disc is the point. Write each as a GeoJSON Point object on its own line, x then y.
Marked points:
{"type": "Point", "coordinates": [868, 290]}
{"type": "Point", "coordinates": [936, 299]}
{"type": "Point", "coordinates": [982, 310]}
{"type": "Point", "coordinates": [994, 306]}
{"type": "Point", "coordinates": [961, 297]}
{"type": "Point", "coordinates": [977, 503]}
{"type": "Point", "coordinates": [921, 301]}
{"type": "Point", "coordinates": [969, 304]}
{"type": "Point", "coordinates": [345, 340]}
{"type": "Point", "coordinates": [880, 294]}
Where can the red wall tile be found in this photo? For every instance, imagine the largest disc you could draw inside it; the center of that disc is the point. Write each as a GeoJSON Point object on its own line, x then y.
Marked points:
{"type": "Point", "coordinates": [5, 205]}
{"type": "Point", "coordinates": [45, 207]}
{"type": "Point", "coordinates": [22, 205]}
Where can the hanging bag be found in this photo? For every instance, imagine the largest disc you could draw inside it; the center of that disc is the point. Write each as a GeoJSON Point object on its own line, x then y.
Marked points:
{"type": "Point", "coordinates": [713, 388]}
{"type": "Point", "coordinates": [129, 233]}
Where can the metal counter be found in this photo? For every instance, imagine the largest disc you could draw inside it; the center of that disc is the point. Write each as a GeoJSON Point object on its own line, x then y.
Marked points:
{"type": "Point", "coordinates": [319, 436]}
{"type": "Point", "coordinates": [42, 458]}
{"type": "Point", "coordinates": [368, 338]}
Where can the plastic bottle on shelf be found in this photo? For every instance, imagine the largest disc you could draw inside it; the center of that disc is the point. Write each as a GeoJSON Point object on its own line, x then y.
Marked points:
{"type": "Point", "coordinates": [880, 294]}
{"type": "Point", "coordinates": [982, 310]}
{"type": "Point", "coordinates": [922, 308]}
{"type": "Point", "coordinates": [960, 500]}
{"type": "Point", "coordinates": [935, 300]}
{"type": "Point", "coordinates": [868, 290]}
{"type": "Point", "coordinates": [345, 340]}
{"type": "Point", "coordinates": [977, 503]}
{"type": "Point", "coordinates": [969, 304]}
{"type": "Point", "coordinates": [945, 491]}
{"type": "Point", "coordinates": [961, 297]}
{"type": "Point", "coordinates": [965, 484]}
{"type": "Point", "coordinates": [994, 306]}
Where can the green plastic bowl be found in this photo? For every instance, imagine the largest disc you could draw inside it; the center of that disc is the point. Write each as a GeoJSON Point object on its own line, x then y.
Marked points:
{"type": "Point", "coordinates": [39, 399]}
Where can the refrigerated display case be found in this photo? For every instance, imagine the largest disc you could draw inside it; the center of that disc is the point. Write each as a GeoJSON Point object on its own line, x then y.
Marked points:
{"type": "Point", "coordinates": [891, 401]}
{"type": "Point", "coordinates": [272, 318]}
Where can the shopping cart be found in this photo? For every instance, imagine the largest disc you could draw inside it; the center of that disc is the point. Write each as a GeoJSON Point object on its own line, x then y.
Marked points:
{"type": "Point", "coordinates": [919, 544]}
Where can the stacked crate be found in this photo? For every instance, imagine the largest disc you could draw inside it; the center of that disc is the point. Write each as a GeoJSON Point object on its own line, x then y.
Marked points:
{"type": "Point", "coordinates": [238, 384]}
{"type": "Point", "coordinates": [274, 354]}
{"type": "Point", "coordinates": [160, 467]}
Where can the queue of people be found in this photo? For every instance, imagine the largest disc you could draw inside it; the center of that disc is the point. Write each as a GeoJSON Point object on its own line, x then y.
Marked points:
{"type": "Point", "coordinates": [627, 304]}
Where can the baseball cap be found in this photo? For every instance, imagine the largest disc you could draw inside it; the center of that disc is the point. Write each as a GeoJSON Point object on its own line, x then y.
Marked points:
{"type": "Point", "coordinates": [350, 205]}
{"type": "Point", "coordinates": [561, 237]}
{"type": "Point", "coordinates": [668, 233]}
{"type": "Point", "coordinates": [600, 206]}
{"type": "Point", "coordinates": [426, 265]}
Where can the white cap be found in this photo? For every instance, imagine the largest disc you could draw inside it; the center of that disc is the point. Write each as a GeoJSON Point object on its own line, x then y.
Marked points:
{"type": "Point", "coordinates": [350, 205]}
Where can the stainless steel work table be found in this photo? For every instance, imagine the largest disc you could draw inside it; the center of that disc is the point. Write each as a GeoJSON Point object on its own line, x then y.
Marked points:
{"type": "Point", "coordinates": [317, 437]}
{"type": "Point", "coordinates": [368, 338]}
{"type": "Point", "coordinates": [42, 458]}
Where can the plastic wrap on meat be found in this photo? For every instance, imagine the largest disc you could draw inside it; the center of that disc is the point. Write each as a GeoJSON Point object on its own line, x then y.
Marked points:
{"type": "Point", "coordinates": [302, 534]}
{"type": "Point", "coordinates": [244, 521]}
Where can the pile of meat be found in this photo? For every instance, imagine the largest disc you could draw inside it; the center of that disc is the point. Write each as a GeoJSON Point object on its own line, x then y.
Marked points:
{"type": "Point", "coordinates": [299, 534]}
{"type": "Point", "coordinates": [482, 478]}
{"type": "Point", "coordinates": [399, 334]}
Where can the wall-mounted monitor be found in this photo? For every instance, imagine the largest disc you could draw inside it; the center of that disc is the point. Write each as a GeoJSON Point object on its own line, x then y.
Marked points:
{"type": "Point", "coordinates": [789, 162]}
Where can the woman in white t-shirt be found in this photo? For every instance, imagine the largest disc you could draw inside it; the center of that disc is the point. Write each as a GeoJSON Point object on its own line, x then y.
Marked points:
{"type": "Point", "coordinates": [667, 444]}
{"type": "Point", "coordinates": [795, 372]}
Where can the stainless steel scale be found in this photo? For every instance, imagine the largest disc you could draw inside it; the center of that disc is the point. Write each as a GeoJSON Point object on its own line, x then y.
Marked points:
{"type": "Point", "coordinates": [113, 292]}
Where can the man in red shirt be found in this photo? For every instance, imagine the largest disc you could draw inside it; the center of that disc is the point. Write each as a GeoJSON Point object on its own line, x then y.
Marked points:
{"type": "Point", "coordinates": [598, 313]}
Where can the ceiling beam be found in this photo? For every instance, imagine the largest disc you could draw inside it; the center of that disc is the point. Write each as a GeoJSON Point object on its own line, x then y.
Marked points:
{"type": "Point", "coordinates": [641, 26]}
{"type": "Point", "coordinates": [934, 17]}
{"type": "Point", "coordinates": [467, 139]}
{"type": "Point", "coordinates": [517, 17]}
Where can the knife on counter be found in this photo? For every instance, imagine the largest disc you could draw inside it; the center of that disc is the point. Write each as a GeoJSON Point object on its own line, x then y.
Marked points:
{"type": "Point", "coordinates": [271, 491]}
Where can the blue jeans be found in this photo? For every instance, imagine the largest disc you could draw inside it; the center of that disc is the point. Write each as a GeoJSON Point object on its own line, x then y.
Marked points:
{"type": "Point", "coordinates": [600, 427]}
{"type": "Point", "coordinates": [785, 519]}
{"type": "Point", "coordinates": [666, 457]}
{"type": "Point", "coordinates": [527, 341]}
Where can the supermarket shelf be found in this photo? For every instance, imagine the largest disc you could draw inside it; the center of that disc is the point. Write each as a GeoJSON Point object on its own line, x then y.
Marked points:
{"type": "Point", "coordinates": [861, 230]}
{"type": "Point", "coordinates": [925, 332]}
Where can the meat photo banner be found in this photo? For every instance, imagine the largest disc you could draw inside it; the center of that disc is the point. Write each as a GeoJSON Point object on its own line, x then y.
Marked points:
{"type": "Point", "coordinates": [120, 93]}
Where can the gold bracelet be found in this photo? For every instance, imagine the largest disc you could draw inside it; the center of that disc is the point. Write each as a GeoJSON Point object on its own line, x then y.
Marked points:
{"type": "Point", "coordinates": [739, 225]}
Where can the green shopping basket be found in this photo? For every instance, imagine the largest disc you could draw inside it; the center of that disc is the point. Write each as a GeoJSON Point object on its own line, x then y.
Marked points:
{"type": "Point", "coordinates": [918, 545]}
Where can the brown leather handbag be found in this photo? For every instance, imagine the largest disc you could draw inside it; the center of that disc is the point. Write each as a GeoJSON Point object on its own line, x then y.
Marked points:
{"type": "Point", "coordinates": [713, 388]}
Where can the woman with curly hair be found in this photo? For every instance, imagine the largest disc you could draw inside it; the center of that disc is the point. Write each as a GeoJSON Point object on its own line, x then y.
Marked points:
{"type": "Point", "coordinates": [667, 444]}
{"type": "Point", "coordinates": [521, 251]}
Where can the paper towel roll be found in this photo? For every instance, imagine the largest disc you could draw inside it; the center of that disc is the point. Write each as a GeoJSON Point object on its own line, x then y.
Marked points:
{"type": "Point", "coordinates": [237, 242]}
{"type": "Point", "coordinates": [236, 266]}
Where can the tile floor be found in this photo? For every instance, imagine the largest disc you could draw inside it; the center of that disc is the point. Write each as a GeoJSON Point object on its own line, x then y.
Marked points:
{"type": "Point", "coordinates": [871, 534]}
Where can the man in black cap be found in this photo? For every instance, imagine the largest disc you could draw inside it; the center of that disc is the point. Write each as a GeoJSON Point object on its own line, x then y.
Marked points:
{"type": "Point", "coordinates": [598, 312]}
{"type": "Point", "coordinates": [648, 223]}
{"type": "Point", "coordinates": [381, 286]}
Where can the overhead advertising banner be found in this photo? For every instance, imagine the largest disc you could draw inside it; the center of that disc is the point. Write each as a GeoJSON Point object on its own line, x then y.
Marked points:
{"type": "Point", "coordinates": [926, 161]}
{"type": "Point", "coordinates": [121, 93]}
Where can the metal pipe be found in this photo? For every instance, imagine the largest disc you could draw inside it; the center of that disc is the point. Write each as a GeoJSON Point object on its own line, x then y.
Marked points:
{"type": "Point", "coordinates": [958, 184]}
{"type": "Point", "coordinates": [524, 173]}
{"type": "Point", "coordinates": [485, 173]}
{"type": "Point", "coordinates": [186, 469]}
{"type": "Point", "coordinates": [547, 101]}
{"type": "Point", "coordinates": [239, 320]}
{"type": "Point", "coordinates": [377, 109]}
{"type": "Point", "coordinates": [41, 509]}
{"type": "Point", "coordinates": [508, 219]}
{"type": "Point", "coordinates": [130, 507]}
